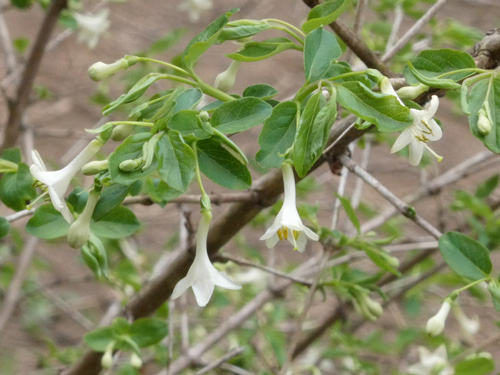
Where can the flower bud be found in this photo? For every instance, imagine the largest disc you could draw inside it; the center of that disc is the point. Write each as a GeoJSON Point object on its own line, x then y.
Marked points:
{"type": "Point", "coordinates": [366, 306]}
{"type": "Point", "coordinates": [225, 80]}
{"type": "Point", "coordinates": [100, 70]}
{"type": "Point", "coordinates": [107, 358]}
{"type": "Point", "coordinates": [204, 116]}
{"type": "Point", "coordinates": [94, 167]}
{"type": "Point", "coordinates": [130, 165]}
{"type": "Point", "coordinates": [435, 325]}
{"type": "Point", "coordinates": [79, 231]}
{"type": "Point", "coordinates": [470, 326]}
{"type": "Point", "coordinates": [411, 92]}
{"type": "Point", "coordinates": [387, 89]}
{"type": "Point", "coordinates": [120, 132]}
{"type": "Point", "coordinates": [483, 122]}
{"type": "Point", "coordinates": [135, 360]}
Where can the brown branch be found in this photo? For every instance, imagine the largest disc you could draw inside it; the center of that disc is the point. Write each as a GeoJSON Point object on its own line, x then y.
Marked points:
{"type": "Point", "coordinates": [17, 107]}
{"type": "Point", "coordinates": [355, 44]}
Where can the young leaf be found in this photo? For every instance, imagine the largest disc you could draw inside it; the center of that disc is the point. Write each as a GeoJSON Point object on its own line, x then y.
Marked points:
{"type": "Point", "coordinates": [242, 29]}
{"type": "Point", "coordinates": [187, 100]}
{"type": "Point", "coordinates": [312, 134]}
{"type": "Point", "coordinates": [475, 366]}
{"type": "Point", "coordinates": [47, 223]}
{"type": "Point", "coordinates": [201, 42]}
{"type": "Point", "coordinates": [219, 165]}
{"type": "Point", "coordinates": [321, 47]}
{"type": "Point", "coordinates": [324, 14]}
{"type": "Point", "coordinates": [4, 227]}
{"type": "Point", "coordinates": [188, 124]}
{"type": "Point", "coordinates": [118, 223]}
{"type": "Point", "coordinates": [260, 90]}
{"type": "Point", "coordinates": [176, 161]}
{"type": "Point", "coordinates": [432, 63]}
{"type": "Point", "coordinates": [134, 93]}
{"type": "Point", "coordinates": [487, 187]}
{"type": "Point", "coordinates": [277, 134]}
{"type": "Point", "coordinates": [241, 114]}
{"type": "Point", "coordinates": [147, 331]}
{"type": "Point", "coordinates": [256, 51]}
{"type": "Point", "coordinates": [351, 214]}
{"type": "Point", "coordinates": [111, 197]}
{"type": "Point", "coordinates": [16, 188]}
{"type": "Point", "coordinates": [465, 256]}
{"type": "Point", "coordinates": [99, 339]}
{"type": "Point", "coordinates": [384, 111]}
{"type": "Point", "coordinates": [440, 83]}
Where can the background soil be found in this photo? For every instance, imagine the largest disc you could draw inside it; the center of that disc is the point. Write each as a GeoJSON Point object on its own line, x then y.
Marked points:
{"type": "Point", "coordinates": [75, 301]}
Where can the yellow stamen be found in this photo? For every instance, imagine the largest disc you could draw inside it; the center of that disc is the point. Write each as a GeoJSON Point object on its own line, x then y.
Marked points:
{"type": "Point", "coordinates": [296, 234]}
{"type": "Point", "coordinates": [283, 233]}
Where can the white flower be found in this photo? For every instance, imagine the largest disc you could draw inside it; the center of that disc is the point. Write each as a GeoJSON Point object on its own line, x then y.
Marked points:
{"type": "Point", "coordinates": [423, 130]}
{"type": "Point", "coordinates": [202, 275]}
{"type": "Point", "coordinates": [435, 325]}
{"type": "Point", "coordinates": [79, 231]}
{"type": "Point", "coordinates": [58, 182]}
{"type": "Point", "coordinates": [469, 326]}
{"type": "Point", "coordinates": [225, 80]}
{"type": "Point", "coordinates": [92, 26]}
{"type": "Point", "coordinates": [288, 224]}
{"type": "Point", "coordinates": [435, 363]}
{"type": "Point", "coordinates": [195, 8]}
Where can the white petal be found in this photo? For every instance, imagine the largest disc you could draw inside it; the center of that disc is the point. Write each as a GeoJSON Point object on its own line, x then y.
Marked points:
{"type": "Point", "coordinates": [203, 290]}
{"type": "Point", "coordinates": [432, 108]}
{"type": "Point", "coordinates": [271, 231]}
{"type": "Point", "coordinates": [416, 151]}
{"type": "Point", "coordinates": [181, 286]}
{"type": "Point", "coordinates": [403, 140]}
{"type": "Point", "coordinates": [301, 242]}
{"type": "Point", "coordinates": [437, 132]}
{"type": "Point", "coordinates": [221, 279]}
{"type": "Point", "coordinates": [37, 160]}
{"type": "Point", "coordinates": [272, 240]}
{"type": "Point", "coordinates": [309, 233]}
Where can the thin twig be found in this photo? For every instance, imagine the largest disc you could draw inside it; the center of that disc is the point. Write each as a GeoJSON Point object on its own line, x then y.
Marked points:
{"type": "Point", "coordinates": [7, 44]}
{"type": "Point", "coordinates": [396, 24]}
{"type": "Point", "coordinates": [402, 207]}
{"type": "Point", "coordinates": [414, 30]}
{"type": "Point", "coordinates": [215, 198]}
{"type": "Point", "coordinates": [365, 158]}
{"type": "Point", "coordinates": [68, 309]}
{"type": "Point", "coordinates": [233, 353]}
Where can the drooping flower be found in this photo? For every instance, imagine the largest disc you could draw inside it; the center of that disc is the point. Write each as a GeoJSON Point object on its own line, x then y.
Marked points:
{"type": "Point", "coordinates": [99, 70]}
{"type": "Point", "coordinates": [202, 275]}
{"type": "Point", "coordinates": [288, 224]}
{"type": "Point", "coordinates": [225, 80]}
{"type": "Point", "coordinates": [423, 130]}
{"type": "Point", "coordinates": [195, 8]}
{"type": "Point", "coordinates": [435, 325]}
{"type": "Point", "coordinates": [57, 182]}
{"type": "Point", "coordinates": [79, 231]}
{"type": "Point", "coordinates": [470, 326]}
{"type": "Point", "coordinates": [435, 363]}
{"type": "Point", "coordinates": [91, 27]}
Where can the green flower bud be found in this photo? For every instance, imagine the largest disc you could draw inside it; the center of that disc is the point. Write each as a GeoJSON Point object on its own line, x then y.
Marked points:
{"type": "Point", "coordinates": [483, 122]}
{"type": "Point", "coordinates": [94, 167]}
{"type": "Point", "coordinates": [120, 132]}
{"type": "Point", "coordinates": [100, 70]}
{"type": "Point", "coordinates": [130, 165]}
{"type": "Point", "coordinates": [411, 92]}
{"type": "Point", "coordinates": [148, 150]}
{"type": "Point", "coordinates": [107, 358]}
{"type": "Point", "coordinates": [204, 116]}
{"type": "Point", "coordinates": [79, 231]}
{"type": "Point", "coordinates": [225, 80]}
{"type": "Point", "coordinates": [435, 325]}
{"type": "Point", "coordinates": [366, 306]}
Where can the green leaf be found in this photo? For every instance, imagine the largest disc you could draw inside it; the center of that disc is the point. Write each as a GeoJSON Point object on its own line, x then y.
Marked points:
{"type": "Point", "coordinates": [118, 223]}
{"type": "Point", "coordinates": [47, 223]}
{"type": "Point", "coordinates": [384, 111]}
{"type": "Point", "coordinates": [131, 148]}
{"type": "Point", "coordinates": [134, 93]}
{"type": "Point", "coordinates": [487, 187]}
{"type": "Point", "coordinates": [277, 135]}
{"type": "Point", "coordinates": [488, 91]}
{"type": "Point", "coordinates": [21, 44]}
{"type": "Point", "coordinates": [351, 214]}
{"type": "Point", "coordinates": [176, 161]}
{"type": "Point", "coordinates": [99, 339]}
{"type": "Point", "coordinates": [21, 4]}
{"type": "Point", "coordinates": [201, 42]}
{"type": "Point", "coordinates": [440, 83]}
{"type": "Point", "coordinates": [433, 63]}
{"type": "Point", "coordinates": [187, 100]}
{"type": "Point", "coordinates": [313, 131]}
{"type": "Point", "coordinates": [324, 14]}
{"type": "Point", "coordinates": [111, 197]}
{"type": "Point", "coordinates": [219, 165]}
{"type": "Point", "coordinates": [465, 256]}
{"type": "Point", "coordinates": [241, 114]}
{"type": "Point", "coordinates": [16, 188]}
{"type": "Point", "coordinates": [256, 51]}
{"type": "Point", "coordinates": [242, 29]}
{"type": "Point", "coordinates": [278, 342]}
{"type": "Point", "coordinates": [148, 331]}
{"type": "Point", "coordinates": [321, 48]}
{"type": "Point", "coordinates": [260, 90]}
{"type": "Point", "coordinates": [95, 256]}
{"type": "Point", "coordinates": [188, 124]}
{"type": "Point", "coordinates": [475, 366]}
{"type": "Point", "coordinates": [4, 227]}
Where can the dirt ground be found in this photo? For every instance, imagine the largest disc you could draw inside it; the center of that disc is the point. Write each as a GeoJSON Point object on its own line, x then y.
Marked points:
{"type": "Point", "coordinates": [77, 302]}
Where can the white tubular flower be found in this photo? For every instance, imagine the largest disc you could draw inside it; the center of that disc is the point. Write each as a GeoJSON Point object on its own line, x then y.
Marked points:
{"type": "Point", "coordinates": [195, 8]}
{"type": "Point", "coordinates": [92, 27]}
{"type": "Point", "coordinates": [435, 363]}
{"type": "Point", "coordinates": [58, 182]}
{"type": "Point", "coordinates": [202, 275]}
{"type": "Point", "coordinates": [288, 224]}
{"type": "Point", "coordinates": [470, 326]}
{"type": "Point", "coordinates": [423, 130]}
{"type": "Point", "coordinates": [225, 80]}
{"type": "Point", "coordinates": [387, 89]}
{"type": "Point", "coordinates": [435, 325]}
{"type": "Point", "coordinates": [79, 231]}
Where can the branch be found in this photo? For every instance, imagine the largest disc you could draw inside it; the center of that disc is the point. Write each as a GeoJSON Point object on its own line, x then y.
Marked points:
{"type": "Point", "coordinates": [17, 107]}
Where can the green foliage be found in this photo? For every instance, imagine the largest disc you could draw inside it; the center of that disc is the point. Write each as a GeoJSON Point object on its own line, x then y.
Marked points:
{"type": "Point", "coordinates": [324, 14]}
{"type": "Point", "coordinates": [241, 114]}
{"type": "Point", "coordinates": [320, 49]}
{"type": "Point", "coordinates": [475, 366]}
{"type": "Point", "coordinates": [47, 223]}
{"type": "Point", "coordinates": [257, 51]}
